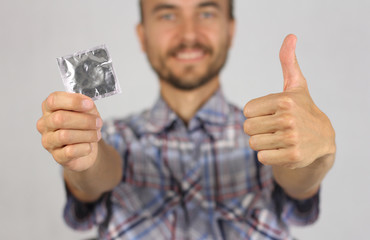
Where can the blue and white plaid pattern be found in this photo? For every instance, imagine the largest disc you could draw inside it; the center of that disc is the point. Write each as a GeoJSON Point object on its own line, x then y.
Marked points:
{"type": "Point", "coordinates": [200, 181]}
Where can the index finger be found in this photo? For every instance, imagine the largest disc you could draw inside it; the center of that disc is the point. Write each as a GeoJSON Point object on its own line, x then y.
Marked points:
{"type": "Point", "coordinates": [261, 106]}
{"type": "Point", "coordinates": [68, 101]}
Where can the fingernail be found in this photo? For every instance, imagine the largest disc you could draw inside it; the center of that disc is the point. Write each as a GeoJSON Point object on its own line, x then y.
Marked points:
{"type": "Point", "coordinates": [99, 123]}
{"type": "Point", "coordinates": [87, 104]}
{"type": "Point", "coordinates": [99, 135]}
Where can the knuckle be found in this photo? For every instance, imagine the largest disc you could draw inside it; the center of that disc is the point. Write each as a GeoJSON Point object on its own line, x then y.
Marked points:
{"type": "Point", "coordinates": [285, 102]}
{"type": "Point", "coordinates": [64, 136]}
{"type": "Point", "coordinates": [45, 142]}
{"type": "Point", "coordinates": [40, 125]}
{"type": "Point", "coordinates": [87, 149]}
{"type": "Point", "coordinates": [72, 152]}
{"type": "Point", "coordinates": [252, 143]}
{"type": "Point", "coordinates": [246, 111]}
{"type": "Point", "coordinates": [69, 152]}
{"type": "Point", "coordinates": [281, 120]}
{"type": "Point", "coordinates": [57, 119]}
{"type": "Point", "coordinates": [247, 127]}
{"type": "Point", "coordinates": [292, 138]}
{"type": "Point", "coordinates": [291, 122]}
{"type": "Point", "coordinates": [287, 121]}
{"type": "Point", "coordinates": [294, 156]}
{"type": "Point", "coordinates": [50, 100]}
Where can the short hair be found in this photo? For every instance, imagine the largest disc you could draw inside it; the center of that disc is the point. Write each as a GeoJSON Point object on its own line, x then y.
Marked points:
{"type": "Point", "coordinates": [231, 10]}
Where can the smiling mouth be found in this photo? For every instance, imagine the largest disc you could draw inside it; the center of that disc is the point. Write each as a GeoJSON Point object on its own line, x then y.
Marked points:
{"type": "Point", "coordinates": [190, 55]}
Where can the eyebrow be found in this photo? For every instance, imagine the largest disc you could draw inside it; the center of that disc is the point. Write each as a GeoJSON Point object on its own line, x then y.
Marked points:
{"type": "Point", "coordinates": [209, 4]}
{"type": "Point", "coordinates": [167, 6]}
{"type": "Point", "coordinates": [163, 6]}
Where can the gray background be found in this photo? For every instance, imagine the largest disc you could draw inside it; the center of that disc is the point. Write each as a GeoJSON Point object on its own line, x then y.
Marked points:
{"type": "Point", "coordinates": [333, 50]}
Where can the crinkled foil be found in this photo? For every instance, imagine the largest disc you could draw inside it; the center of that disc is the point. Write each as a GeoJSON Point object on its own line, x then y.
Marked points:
{"type": "Point", "coordinates": [89, 72]}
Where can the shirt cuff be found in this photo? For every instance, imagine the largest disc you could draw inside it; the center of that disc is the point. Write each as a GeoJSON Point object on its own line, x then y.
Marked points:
{"type": "Point", "coordinates": [83, 216]}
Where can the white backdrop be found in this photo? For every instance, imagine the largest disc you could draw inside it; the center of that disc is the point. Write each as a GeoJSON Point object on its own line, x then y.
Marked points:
{"type": "Point", "coordinates": [333, 50]}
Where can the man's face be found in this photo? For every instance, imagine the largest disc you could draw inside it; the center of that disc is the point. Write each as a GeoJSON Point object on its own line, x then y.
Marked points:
{"type": "Point", "coordinates": [186, 41]}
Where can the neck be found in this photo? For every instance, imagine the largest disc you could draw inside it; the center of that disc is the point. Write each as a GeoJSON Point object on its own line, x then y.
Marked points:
{"type": "Point", "coordinates": [186, 103]}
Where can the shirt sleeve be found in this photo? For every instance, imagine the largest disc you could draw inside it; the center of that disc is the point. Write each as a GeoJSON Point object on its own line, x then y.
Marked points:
{"type": "Point", "coordinates": [84, 216]}
{"type": "Point", "coordinates": [293, 211]}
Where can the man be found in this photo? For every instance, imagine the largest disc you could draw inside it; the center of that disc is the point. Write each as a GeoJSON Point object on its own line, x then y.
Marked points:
{"type": "Point", "coordinates": [185, 169]}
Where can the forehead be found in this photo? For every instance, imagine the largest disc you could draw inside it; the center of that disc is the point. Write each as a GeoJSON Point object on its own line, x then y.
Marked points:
{"type": "Point", "coordinates": [149, 4]}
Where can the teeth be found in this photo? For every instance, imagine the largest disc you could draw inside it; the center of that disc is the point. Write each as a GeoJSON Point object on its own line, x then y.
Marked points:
{"type": "Point", "coordinates": [189, 55]}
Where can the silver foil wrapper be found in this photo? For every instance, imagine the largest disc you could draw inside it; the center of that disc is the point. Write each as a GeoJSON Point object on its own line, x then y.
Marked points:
{"type": "Point", "coordinates": [89, 72]}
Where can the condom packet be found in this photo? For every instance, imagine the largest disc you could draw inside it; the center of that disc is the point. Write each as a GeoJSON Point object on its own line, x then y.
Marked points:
{"type": "Point", "coordinates": [89, 72]}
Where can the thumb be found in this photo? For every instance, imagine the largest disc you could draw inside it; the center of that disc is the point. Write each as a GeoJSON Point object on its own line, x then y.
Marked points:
{"type": "Point", "coordinates": [293, 77]}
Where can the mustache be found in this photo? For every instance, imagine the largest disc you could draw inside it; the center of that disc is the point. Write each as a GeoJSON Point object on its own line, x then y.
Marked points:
{"type": "Point", "coordinates": [184, 46]}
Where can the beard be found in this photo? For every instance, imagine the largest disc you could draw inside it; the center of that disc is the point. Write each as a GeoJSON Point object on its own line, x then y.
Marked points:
{"type": "Point", "coordinates": [189, 79]}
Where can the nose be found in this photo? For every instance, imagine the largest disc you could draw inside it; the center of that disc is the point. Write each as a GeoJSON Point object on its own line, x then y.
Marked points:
{"type": "Point", "coordinates": [189, 31]}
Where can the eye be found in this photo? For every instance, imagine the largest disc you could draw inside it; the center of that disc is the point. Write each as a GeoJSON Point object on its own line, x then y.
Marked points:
{"type": "Point", "coordinates": [207, 15]}
{"type": "Point", "coordinates": [168, 16]}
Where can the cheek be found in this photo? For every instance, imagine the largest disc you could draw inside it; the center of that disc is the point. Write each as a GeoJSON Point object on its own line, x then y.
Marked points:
{"type": "Point", "coordinates": [217, 36]}
{"type": "Point", "coordinates": [158, 43]}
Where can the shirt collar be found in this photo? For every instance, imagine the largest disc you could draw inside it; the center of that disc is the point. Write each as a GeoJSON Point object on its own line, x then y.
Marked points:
{"type": "Point", "coordinates": [160, 116]}
{"type": "Point", "coordinates": [214, 112]}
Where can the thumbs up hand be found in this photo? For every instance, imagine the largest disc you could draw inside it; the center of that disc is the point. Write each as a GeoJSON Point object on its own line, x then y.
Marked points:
{"type": "Point", "coordinates": [287, 129]}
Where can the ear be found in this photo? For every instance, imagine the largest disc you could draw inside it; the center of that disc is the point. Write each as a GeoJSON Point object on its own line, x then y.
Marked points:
{"type": "Point", "coordinates": [141, 35]}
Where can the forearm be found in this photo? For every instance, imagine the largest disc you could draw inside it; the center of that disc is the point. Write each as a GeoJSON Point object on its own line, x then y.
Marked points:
{"type": "Point", "coordinates": [304, 182]}
{"type": "Point", "coordinates": [103, 176]}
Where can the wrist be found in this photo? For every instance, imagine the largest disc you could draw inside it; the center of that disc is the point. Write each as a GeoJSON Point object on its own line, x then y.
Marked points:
{"type": "Point", "coordinates": [78, 190]}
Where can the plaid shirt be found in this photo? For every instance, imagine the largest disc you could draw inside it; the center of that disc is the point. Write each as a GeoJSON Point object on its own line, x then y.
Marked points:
{"type": "Point", "coordinates": [200, 181]}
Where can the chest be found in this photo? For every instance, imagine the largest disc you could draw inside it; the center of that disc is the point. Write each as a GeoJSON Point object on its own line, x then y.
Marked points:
{"type": "Point", "coordinates": [219, 167]}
